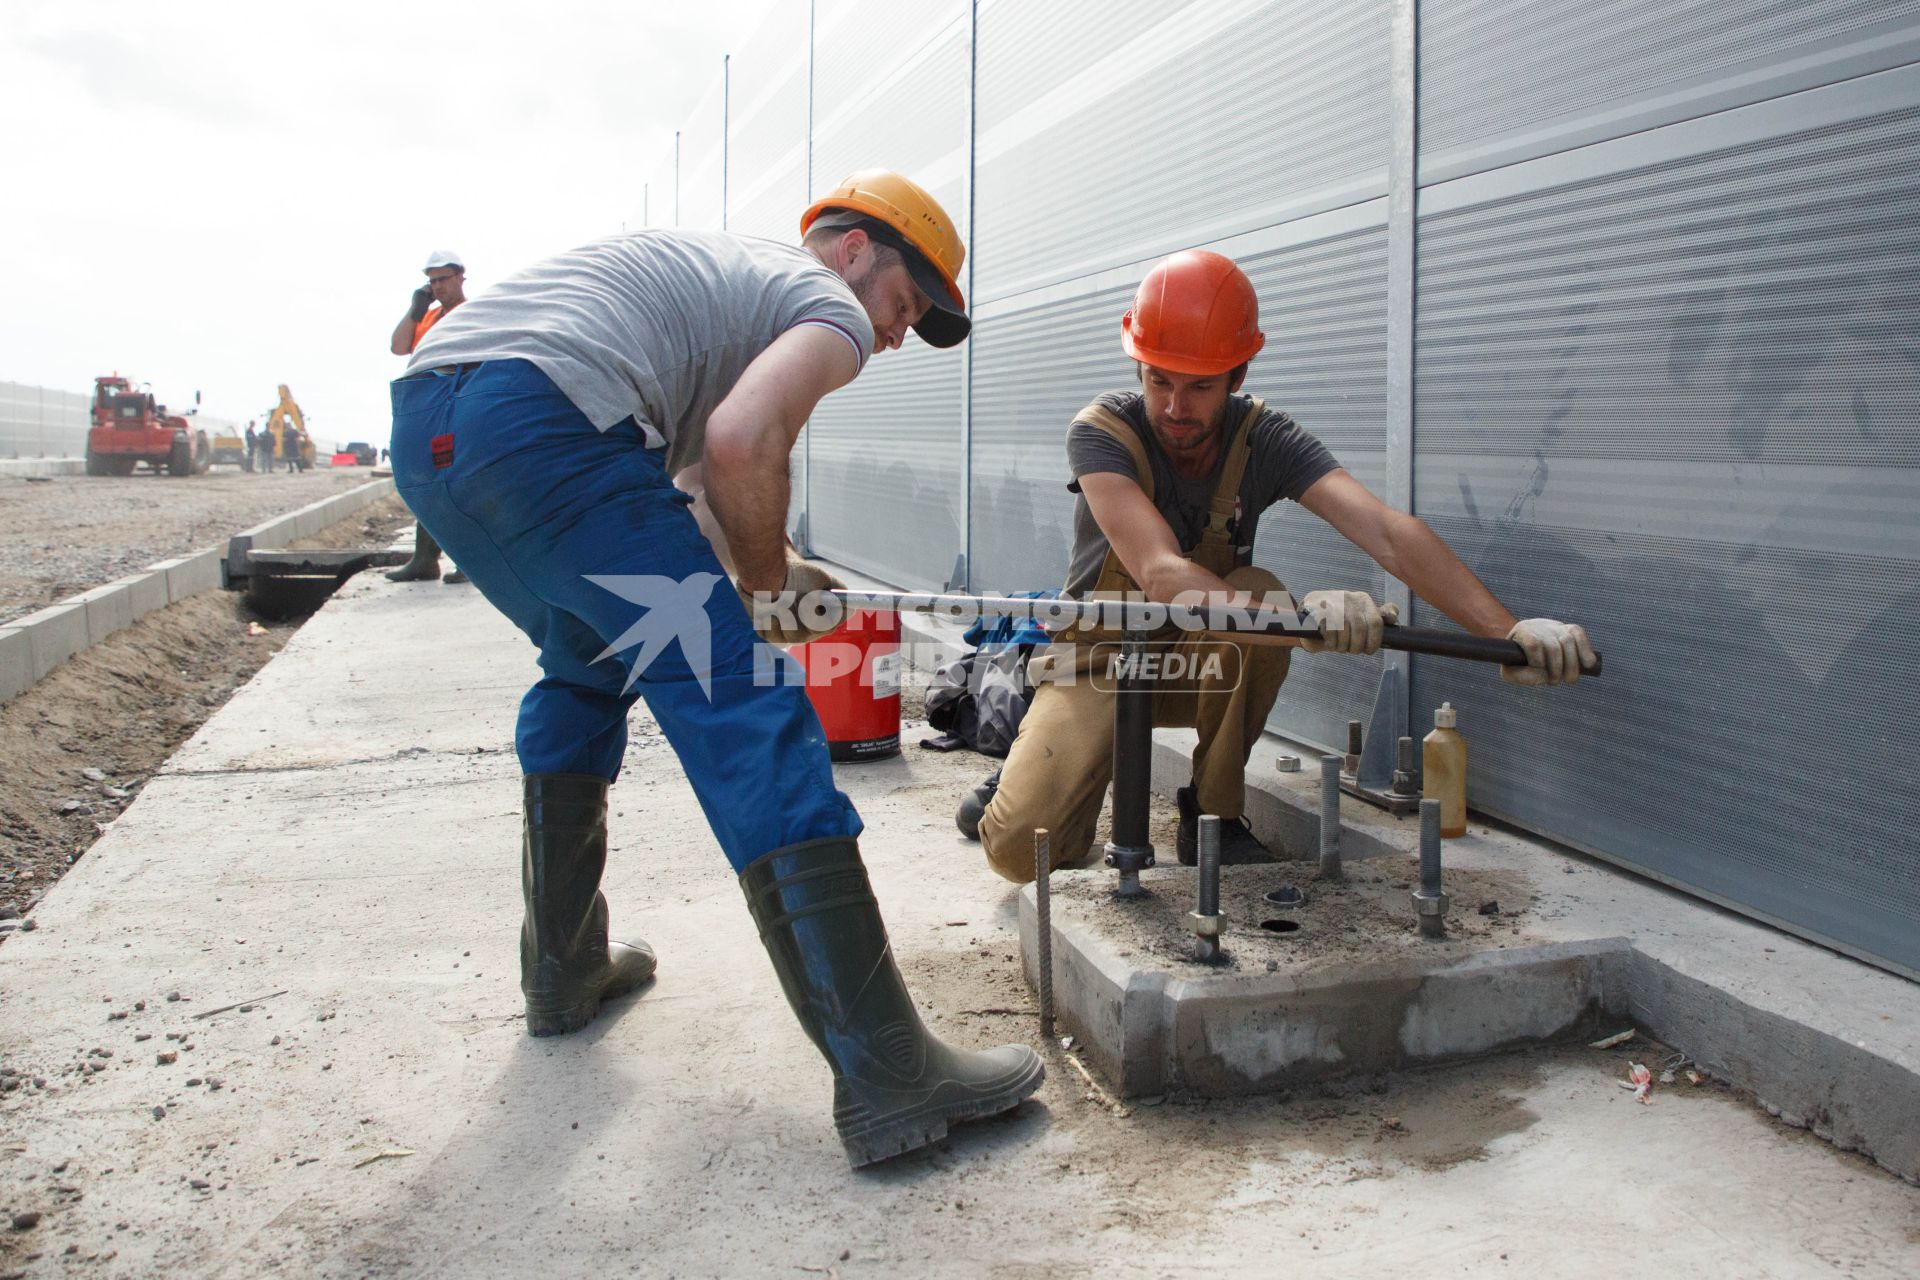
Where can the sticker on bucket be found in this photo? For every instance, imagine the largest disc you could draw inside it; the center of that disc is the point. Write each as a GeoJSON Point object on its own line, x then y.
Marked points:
{"type": "Point", "coordinates": [886, 675]}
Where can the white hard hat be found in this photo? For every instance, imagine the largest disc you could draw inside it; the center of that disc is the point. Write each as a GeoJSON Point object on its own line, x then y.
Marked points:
{"type": "Point", "coordinates": [443, 258]}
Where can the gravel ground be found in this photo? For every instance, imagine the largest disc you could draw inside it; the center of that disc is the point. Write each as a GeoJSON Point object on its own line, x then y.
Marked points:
{"type": "Point", "coordinates": [67, 534]}
{"type": "Point", "coordinates": [79, 745]}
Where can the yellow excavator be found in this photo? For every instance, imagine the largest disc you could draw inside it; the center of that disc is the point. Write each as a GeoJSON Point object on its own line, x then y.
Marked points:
{"type": "Point", "coordinates": [284, 422]}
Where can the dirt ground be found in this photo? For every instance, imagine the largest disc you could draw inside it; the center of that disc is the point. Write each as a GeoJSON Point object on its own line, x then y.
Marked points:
{"type": "Point", "coordinates": [80, 744]}
{"type": "Point", "coordinates": [61, 535]}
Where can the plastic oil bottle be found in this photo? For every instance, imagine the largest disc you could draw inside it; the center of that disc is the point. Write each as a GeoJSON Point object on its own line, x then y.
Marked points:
{"type": "Point", "coordinates": [1443, 771]}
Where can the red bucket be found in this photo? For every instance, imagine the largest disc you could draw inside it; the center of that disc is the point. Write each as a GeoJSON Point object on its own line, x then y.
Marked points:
{"type": "Point", "coordinates": [853, 681]}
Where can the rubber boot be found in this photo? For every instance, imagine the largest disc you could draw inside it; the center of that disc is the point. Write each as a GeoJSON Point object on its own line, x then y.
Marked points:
{"type": "Point", "coordinates": [567, 966]}
{"type": "Point", "coordinates": [425, 565]}
{"type": "Point", "coordinates": [455, 578]}
{"type": "Point", "coordinates": [1238, 845]}
{"type": "Point", "coordinates": [895, 1086]}
{"type": "Point", "coordinates": [974, 806]}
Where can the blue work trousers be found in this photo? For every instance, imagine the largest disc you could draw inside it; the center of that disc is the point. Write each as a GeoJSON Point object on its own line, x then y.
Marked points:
{"type": "Point", "coordinates": [581, 539]}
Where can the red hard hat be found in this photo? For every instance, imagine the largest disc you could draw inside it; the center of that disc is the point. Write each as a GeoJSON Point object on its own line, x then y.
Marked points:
{"type": "Point", "coordinates": [1195, 313]}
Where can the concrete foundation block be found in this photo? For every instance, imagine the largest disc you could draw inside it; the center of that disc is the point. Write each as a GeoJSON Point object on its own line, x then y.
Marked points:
{"type": "Point", "coordinates": [109, 609]}
{"type": "Point", "coordinates": [1149, 1028]}
{"type": "Point", "coordinates": [56, 633]}
{"type": "Point", "coordinates": [16, 663]}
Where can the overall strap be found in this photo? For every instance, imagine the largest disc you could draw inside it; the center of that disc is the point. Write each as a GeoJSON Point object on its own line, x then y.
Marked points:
{"type": "Point", "coordinates": [1226, 493]}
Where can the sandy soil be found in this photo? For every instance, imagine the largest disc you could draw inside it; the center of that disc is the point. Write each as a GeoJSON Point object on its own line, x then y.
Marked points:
{"type": "Point", "coordinates": [119, 709]}
{"type": "Point", "coordinates": [65, 534]}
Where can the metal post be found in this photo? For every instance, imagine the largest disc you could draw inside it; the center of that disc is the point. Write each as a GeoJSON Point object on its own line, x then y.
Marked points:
{"type": "Point", "coordinates": [966, 366]}
{"type": "Point", "coordinates": [1206, 916]}
{"type": "Point", "coordinates": [806, 437]}
{"type": "Point", "coordinates": [1429, 903]}
{"type": "Point", "coordinates": [1330, 818]}
{"type": "Point", "coordinates": [1043, 926]}
{"type": "Point", "coordinates": [1129, 852]}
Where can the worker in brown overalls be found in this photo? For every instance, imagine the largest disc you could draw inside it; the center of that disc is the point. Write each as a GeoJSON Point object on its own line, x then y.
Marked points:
{"type": "Point", "coordinates": [1172, 481]}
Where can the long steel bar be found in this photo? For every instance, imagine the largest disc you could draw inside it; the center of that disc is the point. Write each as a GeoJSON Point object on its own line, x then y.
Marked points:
{"type": "Point", "coordinates": [1138, 615]}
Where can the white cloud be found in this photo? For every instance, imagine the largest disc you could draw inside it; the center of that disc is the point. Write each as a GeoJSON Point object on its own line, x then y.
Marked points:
{"type": "Point", "coordinates": [226, 196]}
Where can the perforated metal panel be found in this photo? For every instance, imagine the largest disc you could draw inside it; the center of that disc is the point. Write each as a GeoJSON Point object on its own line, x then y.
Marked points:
{"type": "Point", "coordinates": [700, 160]}
{"type": "Point", "coordinates": [1033, 368]}
{"type": "Point", "coordinates": [1205, 121]}
{"type": "Point", "coordinates": [1676, 400]}
{"type": "Point", "coordinates": [767, 115]}
{"type": "Point", "coordinates": [890, 90]}
{"type": "Point", "coordinates": [1324, 313]}
{"type": "Point", "coordinates": [41, 422]}
{"type": "Point", "coordinates": [1502, 80]}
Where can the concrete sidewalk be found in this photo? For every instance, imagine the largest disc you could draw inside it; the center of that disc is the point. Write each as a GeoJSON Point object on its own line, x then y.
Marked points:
{"type": "Point", "coordinates": [337, 851]}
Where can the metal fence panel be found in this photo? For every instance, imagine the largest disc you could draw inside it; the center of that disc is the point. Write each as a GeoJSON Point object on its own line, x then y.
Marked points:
{"type": "Point", "coordinates": [1206, 121]}
{"type": "Point", "coordinates": [890, 88]}
{"type": "Point", "coordinates": [1666, 386]}
{"type": "Point", "coordinates": [1325, 316]}
{"type": "Point", "coordinates": [42, 422]}
{"type": "Point", "coordinates": [767, 128]}
{"type": "Point", "coordinates": [1509, 80]}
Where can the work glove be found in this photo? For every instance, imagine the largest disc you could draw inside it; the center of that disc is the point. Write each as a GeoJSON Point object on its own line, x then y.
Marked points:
{"type": "Point", "coordinates": [798, 614]}
{"type": "Point", "coordinates": [1349, 621]}
{"type": "Point", "coordinates": [1555, 652]}
{"type": "Point", "coordinates": [422, 299]}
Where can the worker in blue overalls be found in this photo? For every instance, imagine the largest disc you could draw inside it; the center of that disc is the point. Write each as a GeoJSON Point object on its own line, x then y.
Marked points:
{"type": "Point", "coordinates": [538, 435]}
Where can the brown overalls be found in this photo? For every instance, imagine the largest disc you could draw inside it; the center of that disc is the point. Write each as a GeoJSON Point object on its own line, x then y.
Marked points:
{"type": "Point", "coordinates": [1057, 774]}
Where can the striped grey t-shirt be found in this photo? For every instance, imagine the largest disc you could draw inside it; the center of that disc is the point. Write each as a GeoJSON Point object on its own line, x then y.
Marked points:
{"type": "Point", "coordinates": [655, 325]}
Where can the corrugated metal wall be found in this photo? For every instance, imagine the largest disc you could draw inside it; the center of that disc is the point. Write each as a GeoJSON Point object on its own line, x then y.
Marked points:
{"type": "Point", "coordinates": [1619, 298]}
{"type": "Point", "coordinates": [40, 422]}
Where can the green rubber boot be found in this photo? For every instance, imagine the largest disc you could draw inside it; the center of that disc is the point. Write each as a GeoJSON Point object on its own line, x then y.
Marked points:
{"type": "Point", "coordinates": [895, 1086]}
{"type": "Point", "coordinates": [567, 966]}
{"type": "Point", "coordinates": [425, 565]}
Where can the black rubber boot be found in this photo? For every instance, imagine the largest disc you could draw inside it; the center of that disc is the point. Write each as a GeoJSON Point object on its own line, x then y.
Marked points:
{"type": "Point", "coordinates": [425, 565]}
{"type": "Point", "coordinates": [1238, 845]}
{"type": "Point", "coordinates": [974, 807]}
{"type": "Point", "coordinates": [895, 1086]}
{"type": "Point", "coordinates": [455, 578]}
{"type": "Point", "coordinates": [567, 966]}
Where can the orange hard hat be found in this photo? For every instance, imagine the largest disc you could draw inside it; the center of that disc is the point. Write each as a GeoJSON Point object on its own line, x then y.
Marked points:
{"type": "Point", "coordinates": [1195, 313]}
{"type": "Point", "coordinates": [913, 221]}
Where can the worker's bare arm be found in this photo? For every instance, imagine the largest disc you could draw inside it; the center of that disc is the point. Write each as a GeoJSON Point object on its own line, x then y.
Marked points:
{"type": "Point", "coordinates": [1406, 548]}
{"type": "Point", "coordinates": [1143, 539]}
{"type": "Point", "coordinates": [749, 437]}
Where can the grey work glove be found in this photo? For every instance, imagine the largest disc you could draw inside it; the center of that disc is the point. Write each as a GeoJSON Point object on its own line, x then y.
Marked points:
{"type": "Point", "coordinates": [422, 299]}
{"type": "Point", "coordinates": [1555, 652]}
{"type": "Point", "coordinates": [1350, 622]}
{"type": "Point", "coordinates": [798, 613]}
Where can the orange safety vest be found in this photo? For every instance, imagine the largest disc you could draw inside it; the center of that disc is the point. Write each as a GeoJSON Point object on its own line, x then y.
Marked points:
{"type": "Point", "coordinates": [427, 322]}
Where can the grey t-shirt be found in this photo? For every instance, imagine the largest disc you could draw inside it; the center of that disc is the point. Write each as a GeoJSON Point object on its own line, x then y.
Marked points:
{"type": "Point", "coordinates": [1286, 461]}
{"type": "Point", "coordinates": [656, 325]}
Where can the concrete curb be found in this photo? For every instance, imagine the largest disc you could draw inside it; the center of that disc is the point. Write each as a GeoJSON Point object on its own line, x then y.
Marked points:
{"type": "Point", "coordinates": [32, 646]}
{"type": "Point", "coordinates": [43, 466]}
{"type": "Point", "coordinates": [278, 533]}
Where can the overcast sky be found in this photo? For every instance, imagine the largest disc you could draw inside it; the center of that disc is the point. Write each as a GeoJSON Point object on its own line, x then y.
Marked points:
{"type": "Point", "coordinates": [224, 196]}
